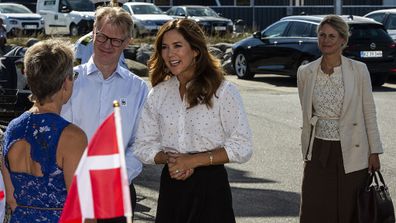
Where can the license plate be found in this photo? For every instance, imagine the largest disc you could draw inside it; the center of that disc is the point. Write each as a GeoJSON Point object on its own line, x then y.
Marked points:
{"type": "Point", "coordinates": [30, 27]}
{"type": "Point", "coordinates": [220, 28]}
{"type": "Point", "coordinates": [370, 54]}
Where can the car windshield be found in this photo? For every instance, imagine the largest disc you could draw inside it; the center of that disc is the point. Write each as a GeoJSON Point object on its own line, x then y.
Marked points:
{"type": "Point", "coordinates": [368, 32]}
{"type": "Point", "coordinates": [14, 9]}
{"type": "Point", "coordinates": [146, 9]}
{"type": "Point", "coordinates": [201, 12]}
{"type": "Point", "coordinates": [78, 5]}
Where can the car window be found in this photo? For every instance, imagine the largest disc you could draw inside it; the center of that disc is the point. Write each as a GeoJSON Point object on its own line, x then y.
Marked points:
{"type": "Point", "coordinates": [368, 32]}
{"type": "Point", "coordinates": [14, 9]}
{"type": "Point", "coordinates": [145, 9]}
{"type": "Point", "coordinates": [275, 30]}
{"type": "Point", "coordinates": [391, 24]}
{"type": "Point", "coordinates": [180, 12]}
{"type": "Point", "coordinates": [126, 8]}
{"type": "Point", "coordinates": [201, 12]}
{"type": "Point", "coordinates": [299, 29]}
{"type": "Point", "coordinates": [379, 17]}
{"type": "Point", "coordinates": [313, 30]}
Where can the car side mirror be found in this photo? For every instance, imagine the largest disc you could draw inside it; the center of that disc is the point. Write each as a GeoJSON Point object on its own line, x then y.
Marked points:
{"type": "Point", "coordinates": [65, 9]}
{"type": "Point", "coordinates": [257, 35]}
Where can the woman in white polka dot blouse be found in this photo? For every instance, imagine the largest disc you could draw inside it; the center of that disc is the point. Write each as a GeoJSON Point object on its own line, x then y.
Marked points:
{"type": "Point", "coordinates": [193, 122]}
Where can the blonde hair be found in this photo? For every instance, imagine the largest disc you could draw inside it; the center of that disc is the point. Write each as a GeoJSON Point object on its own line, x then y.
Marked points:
{"type": "Point", "coordinates": [115, 16]}
{"type": "Point", "coordinates": [338, 24]}
{"type": "Point", "coordinates": [47, 64]}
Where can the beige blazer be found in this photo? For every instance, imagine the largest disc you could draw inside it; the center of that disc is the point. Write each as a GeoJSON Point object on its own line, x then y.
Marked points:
{"type": "Point", "coordinates": [359, 133]}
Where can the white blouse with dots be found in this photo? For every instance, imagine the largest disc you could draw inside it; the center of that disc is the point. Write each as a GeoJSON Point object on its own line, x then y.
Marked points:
{"type": "Point", "coordinates": [167, 125]}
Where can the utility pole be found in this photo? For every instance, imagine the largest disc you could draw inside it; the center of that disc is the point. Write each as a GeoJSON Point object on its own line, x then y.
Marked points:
{"type": "Point", "coordinates": [338, 7]}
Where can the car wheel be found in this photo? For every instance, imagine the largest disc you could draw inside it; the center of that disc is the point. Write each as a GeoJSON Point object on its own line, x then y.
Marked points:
{"type": "Point", "coordinates": [73, 30]}
{"type": "Point", "coordinates": [241, 67]}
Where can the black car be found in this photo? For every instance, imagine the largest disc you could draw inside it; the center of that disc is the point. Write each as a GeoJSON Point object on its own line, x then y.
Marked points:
{"type": "Point", "coordinates": [292, 41]}
{"type": "Point", "coordinates": [206, 17]}
{"type": "Point", "coordinates": [13, 95]}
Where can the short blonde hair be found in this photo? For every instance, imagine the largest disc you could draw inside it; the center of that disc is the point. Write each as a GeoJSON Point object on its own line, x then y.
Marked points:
{"type": "Point", "coordinates": [338, 24]}
{"type": "Point", "coordinates": [47, 64]}
{"type": "Point", "coordinates": [115, 16]}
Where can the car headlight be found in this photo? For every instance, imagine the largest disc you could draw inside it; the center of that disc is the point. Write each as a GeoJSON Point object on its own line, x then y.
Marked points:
{"type": "Point", "coordinates": [230, 23]}
{"type": "Point", "coordinates": [42, 21]}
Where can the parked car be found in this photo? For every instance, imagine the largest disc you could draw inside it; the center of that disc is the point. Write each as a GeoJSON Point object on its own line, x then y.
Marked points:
{"type": "Point", "coordinates": [387, 17]}
{"type": "Point", "coordinates": [19, 20]}
{"type": "Point", "coordinates": [292, 41]}
{"type": "Point", "coordinates": [13, 89]}
{"type": "Point", "coordinates": [206, 17]}
{"type": "Point", "coordinates": [147, 17]}
{"type": "Point", "coordinates": [67, 17]}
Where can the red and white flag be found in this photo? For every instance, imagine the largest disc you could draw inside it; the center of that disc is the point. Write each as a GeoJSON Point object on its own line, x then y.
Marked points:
{"type": "Point", "coordinates": [100, 185]}
{"type": "Point", "coordinates": [2, 198]}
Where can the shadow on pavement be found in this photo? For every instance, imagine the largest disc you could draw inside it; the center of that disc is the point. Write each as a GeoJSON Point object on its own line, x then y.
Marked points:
{"type": "Point", "coordinates": [276, 80]}
{"type": "Point", "coordinates": [264, 203]}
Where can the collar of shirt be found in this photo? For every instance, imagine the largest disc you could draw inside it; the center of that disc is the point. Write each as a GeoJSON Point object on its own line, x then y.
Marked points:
{"type": "Point", "coordinates": [93, 69]}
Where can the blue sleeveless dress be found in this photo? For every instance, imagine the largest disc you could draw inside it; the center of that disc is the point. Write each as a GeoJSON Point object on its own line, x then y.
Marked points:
{"type": "Point", "coordinates": [39, 199]}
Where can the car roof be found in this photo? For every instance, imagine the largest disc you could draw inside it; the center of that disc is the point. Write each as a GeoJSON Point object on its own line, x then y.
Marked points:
{"type": "Point", "coordinates": [382, 10]}
{"type": "Point", "coordinates": [350, 19]}
{"type": "Point", "coordinates": [138, 3]}
{"type": "Point", "coordinates": [191, 6]}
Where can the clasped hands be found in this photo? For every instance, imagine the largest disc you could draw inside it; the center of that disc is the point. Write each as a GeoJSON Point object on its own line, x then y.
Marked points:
{"type": "Point", "coordinates": [179, 165]}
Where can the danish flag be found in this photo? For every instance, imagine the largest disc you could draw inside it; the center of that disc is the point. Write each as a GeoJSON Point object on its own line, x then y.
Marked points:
{"type": "Point", "coordinates": [100, 186]}
{"type": "Point", "coordinates": [2, 198]}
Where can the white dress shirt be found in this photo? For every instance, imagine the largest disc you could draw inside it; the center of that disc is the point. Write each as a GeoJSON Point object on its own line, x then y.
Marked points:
{"type": "Point", "coordinates": [92, 101]}
{"type": "Point", "coordinates": [166, 124]}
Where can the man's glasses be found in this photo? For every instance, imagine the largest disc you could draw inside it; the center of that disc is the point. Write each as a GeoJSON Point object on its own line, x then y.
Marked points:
{"type": "Point", "coordinates": [74, 75]}
{"type": "Point", "coordinates": [102, 38]}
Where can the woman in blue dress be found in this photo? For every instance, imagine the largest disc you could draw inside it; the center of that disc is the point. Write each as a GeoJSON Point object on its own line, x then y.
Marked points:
{"type": "Point", "coordinates": [41, 149]}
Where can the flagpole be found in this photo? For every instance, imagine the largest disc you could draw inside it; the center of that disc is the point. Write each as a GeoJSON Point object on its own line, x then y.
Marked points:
{"type": "Point", "coordinates": [121, 149]}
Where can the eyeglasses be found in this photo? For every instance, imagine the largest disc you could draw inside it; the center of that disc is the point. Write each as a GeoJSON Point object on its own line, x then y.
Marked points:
{"type": "Point", "coordinates": [102, 38]}
{"type": "Point", "coordinates": [74, 75]}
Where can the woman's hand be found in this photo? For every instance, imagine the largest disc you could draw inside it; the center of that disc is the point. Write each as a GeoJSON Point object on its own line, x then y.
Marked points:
{"type": "Point", "coordinates": [374, 162]}
{"type": "Point", "coordinates": [179, 166]}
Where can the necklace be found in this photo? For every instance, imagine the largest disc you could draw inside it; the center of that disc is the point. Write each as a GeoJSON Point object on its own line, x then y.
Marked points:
{"type": "Point", "coordinates": [328, 68]}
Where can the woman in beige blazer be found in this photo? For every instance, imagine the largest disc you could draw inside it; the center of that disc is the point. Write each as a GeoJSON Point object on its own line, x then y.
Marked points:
{"type": "Point", "coordinates": [340, 138]}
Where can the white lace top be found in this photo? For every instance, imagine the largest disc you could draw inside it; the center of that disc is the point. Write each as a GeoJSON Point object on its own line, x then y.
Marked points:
{"type": "Point", "coordinates": [327, 102]}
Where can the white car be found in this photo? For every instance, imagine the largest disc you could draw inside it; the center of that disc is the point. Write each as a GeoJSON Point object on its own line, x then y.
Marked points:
{"type": "Point", "coordinates": [387, 17]}
{"type": "Point", "coordinates": [147, 17]}
{"type": "Point", "coordinates": [18, 19]}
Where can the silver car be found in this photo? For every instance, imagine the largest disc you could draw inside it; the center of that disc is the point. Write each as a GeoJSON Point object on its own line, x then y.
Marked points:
{"type": "Point", "coordinates": [19, 20]}
{"type": "Point", "coordinates": [147, 17]}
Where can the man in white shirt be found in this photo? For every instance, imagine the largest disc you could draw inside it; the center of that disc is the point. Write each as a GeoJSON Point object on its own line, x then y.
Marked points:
{"type": "Point", "coordinates": [102, 80]}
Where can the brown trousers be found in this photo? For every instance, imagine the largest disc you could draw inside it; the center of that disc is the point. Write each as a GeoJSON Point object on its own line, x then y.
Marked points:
{"type": "Point", "coordinates": [328, 194]}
